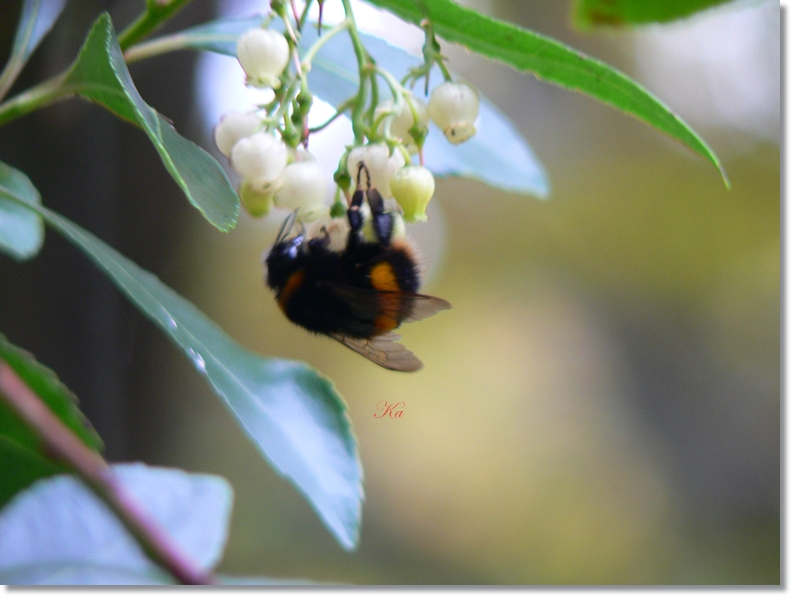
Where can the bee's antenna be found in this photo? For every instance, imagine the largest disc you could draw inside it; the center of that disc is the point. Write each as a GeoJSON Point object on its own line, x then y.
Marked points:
{"type": "Point", "coordinates": [362, 166]}
{"type": "Point", "coordinates": [286, 227]}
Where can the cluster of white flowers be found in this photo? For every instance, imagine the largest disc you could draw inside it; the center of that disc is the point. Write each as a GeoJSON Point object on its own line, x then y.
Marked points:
{"type": "Point", "coordinates": [274, 174]}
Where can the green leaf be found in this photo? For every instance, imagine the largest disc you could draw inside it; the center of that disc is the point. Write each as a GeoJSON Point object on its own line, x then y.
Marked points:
{"type": "Point", "coordinates": [551, 60]}
{"type": "Point", "coordinates": [36, 20]}
{"type": "Point", "coordinates": [100, 74]}
{"type": "Point", "coordinates": [52, 392]}
{"type": "Point", "coordinates": [21, 230]}
{"type": "Point", "coordinates": [588, 13]}
{"type": "Point", "coordinates": [20, 467]}
{"type": "Point", "coordinates": [293, 414]}
{"type": "Point", "coordinates": [58, 531]}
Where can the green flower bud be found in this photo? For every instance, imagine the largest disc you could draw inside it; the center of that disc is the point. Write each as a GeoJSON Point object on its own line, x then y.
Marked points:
{"type": "Point", "coordinates": [413, 187]}
{"type": "Point", "coordinates": [256, 203]}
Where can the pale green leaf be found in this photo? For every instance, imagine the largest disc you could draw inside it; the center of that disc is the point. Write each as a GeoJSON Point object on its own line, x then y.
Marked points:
{"type": "Point", "coordinates": [21, 230]}
{"type": "Point", "coordinates": [58, 526]}
{"type": "Point", "coordinates": [38, 17]}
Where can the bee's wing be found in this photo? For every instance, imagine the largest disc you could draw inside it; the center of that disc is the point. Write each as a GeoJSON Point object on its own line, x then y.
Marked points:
{"type": "Point", "coordinates": [423, 306]}
{"type": "Point", "coordinates": [366, 303]}
{"type": "Point", "coordinates": [383, 350]}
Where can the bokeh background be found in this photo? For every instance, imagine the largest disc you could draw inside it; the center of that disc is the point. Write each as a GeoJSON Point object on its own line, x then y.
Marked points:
{"type": "Point", "coordinates": [602, 404]}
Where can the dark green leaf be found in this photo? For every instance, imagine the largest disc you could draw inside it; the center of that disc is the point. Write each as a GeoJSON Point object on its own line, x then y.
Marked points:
{"type": "Point", "coordinates": [59, 532]}
{"type": "Point", "coordinates": [38, 17]}
{"type": "Point", "coordinates": [100, 74]}
{"type": "Point", "coordinates": [550, 60]}
{"type": "Point", "coordinates": [635, 12]}
{"type": "Point", "coordinates": [20, 467]}
{"type": "Point", "coordinates": [21, 230]}
{"type": "Point", "coordinates": [52, 392]}
{"type": "Point", "coordinates": [293, 414]}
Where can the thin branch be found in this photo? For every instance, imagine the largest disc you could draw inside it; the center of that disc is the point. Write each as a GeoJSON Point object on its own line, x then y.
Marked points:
{"type": "Point", "coordinates": [154, 16]}
{"type": "Point", "coordinates": [64, 446]}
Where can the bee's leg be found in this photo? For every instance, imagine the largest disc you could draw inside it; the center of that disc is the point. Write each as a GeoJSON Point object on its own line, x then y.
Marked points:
{"type": "Point", "coordinates": [353, 212]}
{"type": "Point", "coordinates": [381, 220]}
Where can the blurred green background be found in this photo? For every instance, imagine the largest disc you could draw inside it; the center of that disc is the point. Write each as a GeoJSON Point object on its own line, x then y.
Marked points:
{"type": "Point", "coordinates": [601, 405]}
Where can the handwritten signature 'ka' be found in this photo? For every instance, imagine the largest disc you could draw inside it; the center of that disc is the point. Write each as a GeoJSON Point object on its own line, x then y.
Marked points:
{"type": "Point", "coordinates": [392, 409]}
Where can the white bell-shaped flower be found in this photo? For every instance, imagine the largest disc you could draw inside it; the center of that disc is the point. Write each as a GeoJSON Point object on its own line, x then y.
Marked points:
{"type": "Point", "coordinates": [263, 55]}
{"type": "Point", "coordinates": [234, 126]}
{"type": "Point", "coordinates": [380, 163]}
{"type": "Point", "coordinates": [413, 187]}
{"type": "Point", "coordinates": [453, 107]}
{"type": "Point", "coordinates": [260, 159]}
{"type": "Point", "coordinates": [304, 186]}
{"type": "Point", "coordinates": [401, 126]}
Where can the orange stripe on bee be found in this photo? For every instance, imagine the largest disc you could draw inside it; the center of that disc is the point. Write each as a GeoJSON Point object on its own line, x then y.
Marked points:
{"type": "Point", "coordinates": [292, 284]}
{"type": "Point", "coordinates": [384, 278]}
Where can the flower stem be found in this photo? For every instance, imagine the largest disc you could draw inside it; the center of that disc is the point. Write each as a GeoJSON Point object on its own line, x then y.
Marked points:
{"type": "Point", "coordinates": [43, 94]}
{"type": "Point", "coordinates": [312, 51]}
{"type": "Point", "coordinates": [364, 63]}
{"type": "Point", "coordinates": [59, 441]}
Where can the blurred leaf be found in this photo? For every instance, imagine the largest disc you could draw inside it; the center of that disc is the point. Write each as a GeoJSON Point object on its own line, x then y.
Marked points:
{"type": "Point", "coordinates": [497, 155]}
{"type": "Point", "coordinates": [635, 12]}
{"type": "Point", "coordinates": [20, 467]}
{"type": "Point", "coordinates": [59, 532]}
{"type": "Point", "coordinates": [45, 383]}
{"type": "Point", "coordinates": [550, 60]}
{"type": "Point", "coordinates": [36, 20]}
{"type": "Point", "coordinates": [66, 573]}
{"type": "Point", "coordinates": [100, 74]}
{"type": "Point", "coordinates": [216, 36]}
{"type": "Point", "coordinates": [293, 414]}
{"type": "Point", "coordinates": [21, 230]}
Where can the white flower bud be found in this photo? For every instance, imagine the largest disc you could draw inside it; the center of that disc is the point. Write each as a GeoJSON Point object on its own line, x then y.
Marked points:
{"type": "Point", "coordinates": [380, 164]}
{"type": "Point", "coordinates": [413, 187]}
{"type": "Point", "coordinates": [260, 159]}
{"type": "Point", "coordinates": [256, 203]}
{"type": "Point", "coordinates": [263, 55]}
{"type": "Point", "coordinates": [232, 127]}
{"type": "Point", "coordinates": [404, 121]}
{"type": "Point", "coordinates": [304, 185]}
{"type": "Point", "coordinates": [453, 107]}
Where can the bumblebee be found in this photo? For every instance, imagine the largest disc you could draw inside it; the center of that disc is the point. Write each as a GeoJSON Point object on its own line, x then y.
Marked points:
{"type": "Point", "coordinates": [357, 295]}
